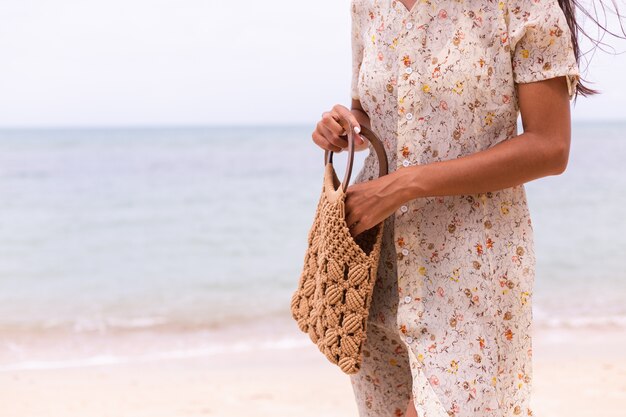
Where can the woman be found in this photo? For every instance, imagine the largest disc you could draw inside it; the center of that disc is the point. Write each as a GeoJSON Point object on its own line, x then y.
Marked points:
{"type": "Point", "coordinates": [441, 83]}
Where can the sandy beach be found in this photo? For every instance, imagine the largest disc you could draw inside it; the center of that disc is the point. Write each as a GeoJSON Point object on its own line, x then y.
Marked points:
{"type": "Point", "coordinates": [576, 373]}
{"type": "Point", "coordinates": [158, 183]}
{"type": "Point", "coordinates": [128, 290]}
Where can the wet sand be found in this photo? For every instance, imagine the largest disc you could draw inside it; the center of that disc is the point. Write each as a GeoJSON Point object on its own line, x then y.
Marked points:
{"type": "Point", "coordinates": [577, 373]}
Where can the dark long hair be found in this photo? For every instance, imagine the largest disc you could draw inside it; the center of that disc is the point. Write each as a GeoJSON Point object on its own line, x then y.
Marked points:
{"type": "Point", "coordinates": [601, 10]}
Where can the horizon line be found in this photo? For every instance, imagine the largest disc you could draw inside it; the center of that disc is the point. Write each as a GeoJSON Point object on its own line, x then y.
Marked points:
{"type": "Point", "coordinates": [156, 126]}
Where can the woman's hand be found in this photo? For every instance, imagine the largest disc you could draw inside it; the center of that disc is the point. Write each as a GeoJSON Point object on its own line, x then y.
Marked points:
{"type": "Point", "coordinates": [370, 202]}
{"type": "Point", "coordinates": [331, 131]}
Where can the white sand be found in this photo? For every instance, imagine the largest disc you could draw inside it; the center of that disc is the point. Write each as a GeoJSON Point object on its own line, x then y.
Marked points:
{"type": "Point", "coordinates": [576, 374]}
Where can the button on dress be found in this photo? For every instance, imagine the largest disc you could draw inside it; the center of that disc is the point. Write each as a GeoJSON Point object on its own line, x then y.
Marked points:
{"type": "Point", "coordinates": [450, 319]}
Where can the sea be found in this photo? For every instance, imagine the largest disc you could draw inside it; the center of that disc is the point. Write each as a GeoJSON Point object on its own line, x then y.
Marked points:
{"type": "Point", "coordinates": [120, 245]}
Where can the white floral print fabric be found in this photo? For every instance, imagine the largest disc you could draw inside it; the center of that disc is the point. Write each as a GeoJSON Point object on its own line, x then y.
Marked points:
{"type": "Point", "coordinates": [451, 318]}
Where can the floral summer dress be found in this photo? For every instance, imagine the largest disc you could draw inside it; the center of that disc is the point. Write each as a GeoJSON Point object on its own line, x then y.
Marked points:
{"type": "Point", "coordinates": [450, 320]}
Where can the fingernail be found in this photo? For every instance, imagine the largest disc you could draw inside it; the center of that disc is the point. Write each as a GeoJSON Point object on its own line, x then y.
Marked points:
{"type": "Point", "coordinates": [361, 139]}
{"type": "Point", "coordinates": [357, 129]}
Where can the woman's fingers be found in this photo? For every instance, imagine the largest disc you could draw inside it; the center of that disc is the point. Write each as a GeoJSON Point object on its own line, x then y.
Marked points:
{"type": "Point", "coordinates": [352, 210]}
{"type": "Point", "coordinates": [327, 133]}
{"type": "Point", "coordinates": [330, 132]}
{"type": "Point", "coordinates": [345, 114]}
{"type": "Point", "coordinates": [333, 136]}
{"type": "Point", "coordinates": [331, 121]}
{"type": "Point", "coordinates": [321, 141]}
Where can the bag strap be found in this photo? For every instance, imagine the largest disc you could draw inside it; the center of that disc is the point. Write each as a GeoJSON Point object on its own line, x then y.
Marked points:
{"type": "Point", "coordinates": [379, 148]}
{"type": "Point", "coordinates": [383, 168]}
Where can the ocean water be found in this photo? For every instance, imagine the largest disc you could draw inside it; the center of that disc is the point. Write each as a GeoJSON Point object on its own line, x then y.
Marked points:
{"type": "Point", "coordinates": [130, 244]}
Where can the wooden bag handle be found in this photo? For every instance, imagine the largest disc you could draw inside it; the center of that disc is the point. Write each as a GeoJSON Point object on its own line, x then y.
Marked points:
{"type": "Point", "coordinates": [383, 168]}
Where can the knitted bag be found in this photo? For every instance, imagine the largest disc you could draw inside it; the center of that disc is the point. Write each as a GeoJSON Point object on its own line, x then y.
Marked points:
{"type": "Point", "coordinates": [332, 301]}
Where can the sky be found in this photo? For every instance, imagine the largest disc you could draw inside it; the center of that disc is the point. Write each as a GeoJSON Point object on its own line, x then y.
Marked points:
{"type": "Point", "coordinates": [199, 62]}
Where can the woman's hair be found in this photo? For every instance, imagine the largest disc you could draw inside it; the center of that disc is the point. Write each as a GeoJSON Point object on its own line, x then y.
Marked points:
{"type": "Point", "coordinates": [600, 9]}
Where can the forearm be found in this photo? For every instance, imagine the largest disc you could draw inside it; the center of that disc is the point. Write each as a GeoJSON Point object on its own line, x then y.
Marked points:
{"type": "Point", "coordinates": [509, 163]}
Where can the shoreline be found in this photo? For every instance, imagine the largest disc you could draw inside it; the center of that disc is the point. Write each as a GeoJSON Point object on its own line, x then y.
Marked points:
{"type": "Point", "coordinates": [576, 374]}
{"type": "Point", "coordinates": [32, 351]}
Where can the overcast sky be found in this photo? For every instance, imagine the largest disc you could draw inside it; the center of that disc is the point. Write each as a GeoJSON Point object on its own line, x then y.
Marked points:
{"type": "Point", "coordinates": [164, 62]}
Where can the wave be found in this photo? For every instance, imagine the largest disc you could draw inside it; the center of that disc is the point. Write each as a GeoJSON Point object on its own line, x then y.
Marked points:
{"type": "Point", "coordinates": [269, 320]}
{"type": "Point", "coordinates": [164, 340]}
{"type": "Point", "coordinates": [112, 324]}
{"type": "Point", "coordinates": [205, 351]}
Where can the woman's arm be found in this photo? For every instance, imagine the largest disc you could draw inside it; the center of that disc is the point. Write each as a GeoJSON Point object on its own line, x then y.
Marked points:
{"type": "Point", "coordinates": [543, 149]}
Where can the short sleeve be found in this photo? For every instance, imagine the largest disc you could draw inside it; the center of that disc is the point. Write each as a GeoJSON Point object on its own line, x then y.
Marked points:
{"type": "Point", "coordinates": [541, 44]}
{"type": "Point", "coordinates": [357, 45]}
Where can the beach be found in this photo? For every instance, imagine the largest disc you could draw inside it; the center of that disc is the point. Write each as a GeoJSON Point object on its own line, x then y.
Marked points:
{"type": "Point", "coordinates": [148, 272]}
{"type": "Point", "coordinates": [577, 373]}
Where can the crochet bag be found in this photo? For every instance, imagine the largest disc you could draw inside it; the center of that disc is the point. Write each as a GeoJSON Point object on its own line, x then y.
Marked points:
{"type": "Point", "coordinates": [331, 303]}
